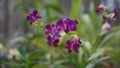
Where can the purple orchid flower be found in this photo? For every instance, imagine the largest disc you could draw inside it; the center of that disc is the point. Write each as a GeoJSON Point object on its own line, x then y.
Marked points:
{"type": "Point", "coordinates": [106, 25]}
{"type": "Point", "coordinates": [51, 41]}
{"type": "Point", "coordinates": [53, 34]}
{"type": "Point", "coordinates": [100, 8]}
{"type": "Point", "coordinates": [67, 24]}
{"type": "Point", "coordinates": [33, 16]}
{"type": "Point", "coordinates": [73, 45]}
{"type": "Point", "coordinates": [114, 14]}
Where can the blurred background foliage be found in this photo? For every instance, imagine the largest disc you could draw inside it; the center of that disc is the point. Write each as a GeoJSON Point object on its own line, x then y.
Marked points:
{"type": "Point", "coordinates": [27, 47]}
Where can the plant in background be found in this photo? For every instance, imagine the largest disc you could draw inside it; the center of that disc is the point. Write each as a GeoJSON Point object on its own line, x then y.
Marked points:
{"type": "Point", "coordinates": [75, 41]}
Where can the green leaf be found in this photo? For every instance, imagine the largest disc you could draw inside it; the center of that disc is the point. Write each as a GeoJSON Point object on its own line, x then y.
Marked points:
{"type": "Point", "coordinates": [96, 54]}
{"type": "Point", "coordinates": [114, 33]}
{"type": "Point", "coordinates": [75, 8]}
{"type": "Point", "coordinates": [83, 56]}
{"type": "Point", "coordinates": [40, 66]}
{"type": "Point", "coordinates": [60, 61]}
{"type": "Point", "coordinates": [18, 39]}
{"type": "Point", "coordinates": [87, 21]}
{"type": "Point", "coordinates": [22, 52]}
{"type": "Point", "coordinates": [56, 2]}
{"type": "Point", "coordinates": [54, 7]}
{"type": "Point", "coordinates": [59, 66]}
{"type": "Point", "coordinates": [114, 53]}
{"type": "Point", "coordinates": [35, 55]}
{"type": "Point", "coordinates": [14, 64]}
{"type": "Point", "coordinates": [97, 62]}
{"type": "Point", "coordinates": [38, 4]}
{"type": "Point", "coordinates": [22, 4]}
{"type": "Point", "coordinates": [37, 39]}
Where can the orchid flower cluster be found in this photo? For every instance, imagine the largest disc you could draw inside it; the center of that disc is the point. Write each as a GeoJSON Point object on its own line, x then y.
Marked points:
{"type": "Point", "coordinates": [107, 18]}
{"type": "Point", "coordinates": [53, 31]}
{"type": "Point", "coordinates": [66, 25]}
